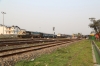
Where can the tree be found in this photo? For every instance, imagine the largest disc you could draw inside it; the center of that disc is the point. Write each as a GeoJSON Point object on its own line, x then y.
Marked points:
{"type": "Point", "coordinates": [95, 25]}
{"type": "Point", "coordinates": [98, 25]}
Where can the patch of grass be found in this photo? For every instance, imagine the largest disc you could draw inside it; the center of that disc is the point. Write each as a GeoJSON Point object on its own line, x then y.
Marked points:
{"type": "Point", "coordinates": [76, 54]}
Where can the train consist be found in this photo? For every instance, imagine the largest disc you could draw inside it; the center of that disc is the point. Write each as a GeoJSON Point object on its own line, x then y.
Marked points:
{"type": "Point", "coordinates": [31, 34]}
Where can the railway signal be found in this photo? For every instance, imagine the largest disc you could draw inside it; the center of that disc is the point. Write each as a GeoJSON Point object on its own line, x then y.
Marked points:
{"type": "Point", "coordinates": [53, 31]}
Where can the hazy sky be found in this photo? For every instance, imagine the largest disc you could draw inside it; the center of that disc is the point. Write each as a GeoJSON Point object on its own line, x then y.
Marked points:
{"type": "Point", "coordinates": [67, 16]}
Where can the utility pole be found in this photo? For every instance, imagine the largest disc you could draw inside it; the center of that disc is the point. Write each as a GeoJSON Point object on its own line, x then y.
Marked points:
{"type": "Point", "coordinates": [3, 20]}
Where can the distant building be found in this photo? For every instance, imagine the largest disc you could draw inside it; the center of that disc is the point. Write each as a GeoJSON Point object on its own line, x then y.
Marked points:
{"type": "Point", "coordinates": [9, 29]}
{"type": "Point", "coordinates": [1, 29]}
{"type": "Point", "coordinates": [62, 35]}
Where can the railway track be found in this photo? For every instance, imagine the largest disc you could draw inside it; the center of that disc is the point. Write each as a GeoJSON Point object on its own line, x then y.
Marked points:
{"type": "Point", "coordinates": [9, 54]}
{"type": "Point", "coordinates": [18, 42]}
{"type": "Point", "coordinates": [26, 41]}
{"type": "Point", "coordinates": [14, 51]}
